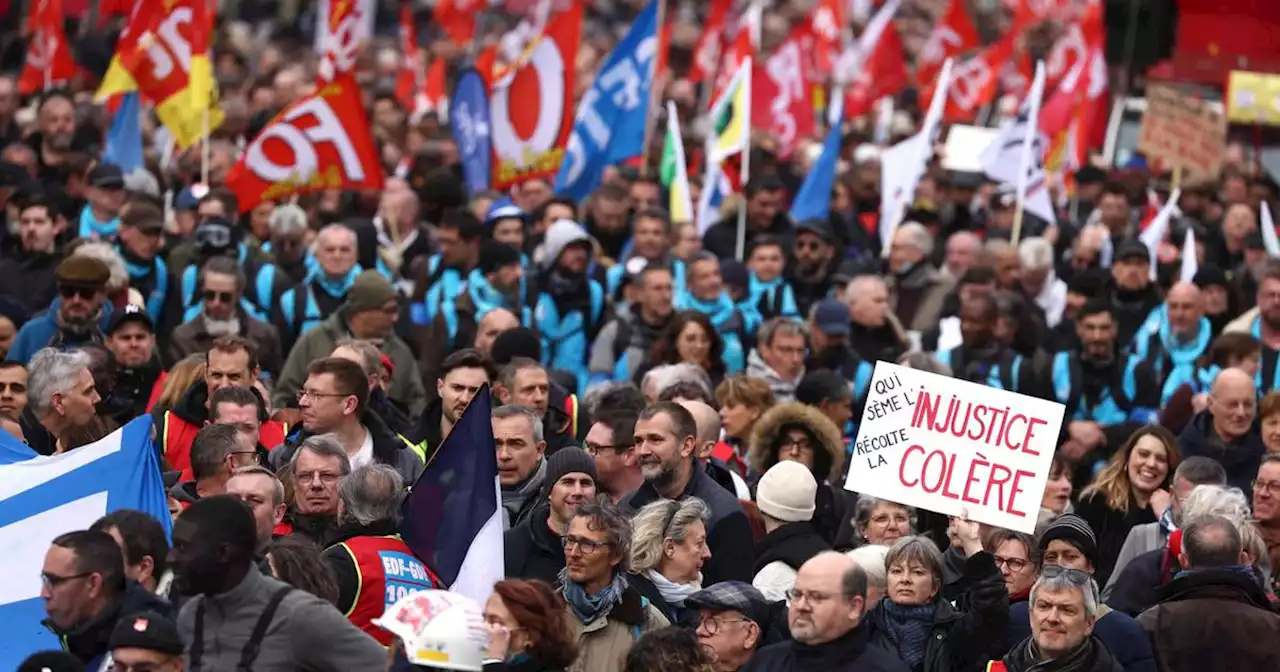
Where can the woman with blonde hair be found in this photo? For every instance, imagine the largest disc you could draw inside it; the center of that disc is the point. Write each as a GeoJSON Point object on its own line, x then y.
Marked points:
{"type": "Point", "coordinates": [668, 550]}
{"type": "Point", "coordinates": [1132, 489]}
{"type": "Point", "coordinates": [176, 380]}
{"type": "Point", "coordinates": [742, 400]}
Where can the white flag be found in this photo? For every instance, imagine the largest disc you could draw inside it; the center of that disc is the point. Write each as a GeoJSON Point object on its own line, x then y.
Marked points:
{"type": "Point", "coordinates": [902, 165]}
{"type": "Point", "coordinates": [1158, 228]}
{"type": "Point", "coordinates": [1016, 156]}
{"type": "Point", "coordinates": [1189, 263]}
{"type": "Point", "coordinates": [1269, 232]}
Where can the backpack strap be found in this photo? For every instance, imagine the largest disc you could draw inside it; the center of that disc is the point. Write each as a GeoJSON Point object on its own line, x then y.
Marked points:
{"type": "Point", "coordinates": [254, 645]}
{"type": "Point", "coordinates": [197, 641]}
{"type": "Point", "coordinates": [636, 629]}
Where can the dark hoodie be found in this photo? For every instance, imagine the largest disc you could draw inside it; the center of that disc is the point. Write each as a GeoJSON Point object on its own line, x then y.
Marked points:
{"type": "Point", "coordinates": [532, 549]}
{"type": "Point", "coordinates": [134, 385]}
{"type": "Point", "coordinates": [29, 278]}
{"type": "Point", "coordinates": [88, 642]}
{"type": "Point", "coordinates": [1240, 457]}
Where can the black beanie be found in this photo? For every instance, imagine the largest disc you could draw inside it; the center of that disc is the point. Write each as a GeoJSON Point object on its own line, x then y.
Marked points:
{"type": "Point", "coordinates": [495, 255]}
{"type": "Point", "coordinates": [568, 460]}
{"type": "Point", "coordinates": [518, 342]}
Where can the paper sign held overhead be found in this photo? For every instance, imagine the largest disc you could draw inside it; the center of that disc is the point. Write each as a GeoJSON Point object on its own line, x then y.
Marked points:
{"type": "Point", "coordinates": [1253, 98]}
{"type": "Point", "coordinates": [951, 446]}
{"type": "Point", "coordinates": [1182, 131]}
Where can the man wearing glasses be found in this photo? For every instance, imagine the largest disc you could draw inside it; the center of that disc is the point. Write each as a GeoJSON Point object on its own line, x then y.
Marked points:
{"type": "Point", "coordinates": [606, 613]}
{"type": "Point", "coordinates": [824, 613]}
{"type": "Point", "coordinates": [219, 310]}
{"type": "Point", "coordinates": [79, 314]}
{"type": "Point", "coordinates": [609, 442]}
{"type": "Point", "coordinates": [1069, 543]}
{"type": "Point", "coordinates": [217, 452]}
{"type": "Point", "coordinates": [1228, 432]}
{"type": "Point", "coordinates": [84, 581]}
{"type": "Point", "coordinates": [732, 619]}
{"type": "Point", "coordinates": [1266, 510]}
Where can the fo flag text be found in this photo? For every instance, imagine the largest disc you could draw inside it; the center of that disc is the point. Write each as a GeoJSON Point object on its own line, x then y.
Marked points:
{"type": "Point", "coordinates": [952, 446]}
{"type": "Point", "coordinates": [320, 142]}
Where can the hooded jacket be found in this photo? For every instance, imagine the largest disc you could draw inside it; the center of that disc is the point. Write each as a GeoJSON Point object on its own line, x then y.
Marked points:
{"type": "Point", "coordinates": [623, 346]}
{"type": "Point", "coordinates": [570, 308]}
{"type": "Point", "coordinates": [532, 550]}
{"type": "Point", "coordinates": [783, 390]}
{"type": "Point", "coordinates": [406, 385]}
{"type": "Point", "coordinates": [833, 516]}
{"type": "Point", "coordinates": [88, 642]}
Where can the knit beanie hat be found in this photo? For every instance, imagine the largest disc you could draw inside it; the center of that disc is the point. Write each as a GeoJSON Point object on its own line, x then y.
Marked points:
{"type": "Point", "coordinates": [568, 460]}
{"type": "Point", "coordinates": [495, 255]}
{"type": "Point", "coordinates": [1074, 530]}
{"type": "Point", "coordinates": [518, 342]}
{"type": "Point", "coordinates": [369, 291]}
{"type": "Point", "coordinates": [787, 492]}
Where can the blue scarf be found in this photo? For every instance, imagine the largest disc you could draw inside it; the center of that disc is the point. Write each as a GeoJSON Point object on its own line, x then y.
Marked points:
{"type": "Point", "coordinates": [90, 227]}
{"type": "Point", "coordinates": [910, 626]}
{"type": "Point", "coordinates": [1183, 356]}
{"type": "Point", "coordinates": [335, 288]}
{"type": "Point", "coordinates": [1244, 570]}
{"type": "Point", "coordinates": [718, 311]}
{"type": "Point", "coordinates": [587, 608]}
{"type": "Point", "coordinates": [487, 298]}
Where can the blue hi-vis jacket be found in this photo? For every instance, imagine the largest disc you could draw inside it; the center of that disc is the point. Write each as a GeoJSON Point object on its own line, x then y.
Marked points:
{"type": "Point", "coordinates": [190, 283]}
{"type": "Point", "coordinates": [566, 339]}
{"type": "Point", "coordinates": [618, 272]}
{"type": "Point", "coordinates": [485, 299]}
{"type": "Point", "coordinates": [158, 271]}
{"type": "Point", "coordinates": [774, 298]}
{"type": "Point", "coordinates": [1132, 394]}
{"type": "Point", "coordinates": [311, 315]}
{"type": "Point", "coordinates": [1174, 363]}
{"type": "Point", "coordinates": [92, 229]}
{"type": "Point", "coordinates": [861, 382]}
{"type": "Point", "coordinates": [737, 325]}
{"type": "Point", "coordinates": [1005, 374]}
{"type": "Point", "coordinates": [1268, 377]}
{"type": "Point", "coordinates": [445, 285]}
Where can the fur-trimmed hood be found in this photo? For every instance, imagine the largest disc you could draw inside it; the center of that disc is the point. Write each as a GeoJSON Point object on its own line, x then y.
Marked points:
{"type": "Point", "coordinates": [761, 454]}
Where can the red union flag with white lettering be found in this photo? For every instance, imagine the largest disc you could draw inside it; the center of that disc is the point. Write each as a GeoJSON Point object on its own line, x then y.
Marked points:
{"type": "Point", "coordinates": [958, 448]}
{"type": "Point", "coordinates": [781, 104]}
{"type": "Point", "coordinates": [320, 142]}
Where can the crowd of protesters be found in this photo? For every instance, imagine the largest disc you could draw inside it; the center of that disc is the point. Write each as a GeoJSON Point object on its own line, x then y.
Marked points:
{"type": "Point", "coordinates": [672, 425]}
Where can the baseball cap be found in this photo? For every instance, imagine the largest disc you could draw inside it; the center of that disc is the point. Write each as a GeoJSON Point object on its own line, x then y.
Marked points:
{"type": "Point", "coordinates": [130, 313]}
{"type": "Point", "coordinates": [147, 630]}
{"type": "Point", "coordinates": [106, 176]}
{"type": "Point", "coordinates": [732, 596]}
{"type": "Point", "coordinates": [832, 317]}
{"type": "Point", "coordinates": [1133, 249]}
{"type": "Point", "coordinates": [818, 227]}
{"type": "Point", "coordinates": [186, 200]}
{"type": "Point", "coordinates": [503, 209]}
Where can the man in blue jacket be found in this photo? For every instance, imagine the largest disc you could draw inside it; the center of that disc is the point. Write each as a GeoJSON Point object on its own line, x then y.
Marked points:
{"type": "Point", "coordinates": [77, 317]}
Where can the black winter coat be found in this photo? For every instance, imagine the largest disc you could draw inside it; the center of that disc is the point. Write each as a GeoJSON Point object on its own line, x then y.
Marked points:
{"type": "Point", "coordinates": [961, 640]}
{"type": "Point", "coordinates": [532, 550]}
{"type": "Point", "coordinates": [677, 614]}
{"type": "Point", "coordinates": [857, 651]}
{"type": "Point", "coordinates": [1240, 458]}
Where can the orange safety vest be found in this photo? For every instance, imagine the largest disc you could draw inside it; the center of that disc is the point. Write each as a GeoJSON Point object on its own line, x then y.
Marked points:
{"type": "Point", "coordinates": [386, 571]}
{"type": "Point", "coordinates": [571, 409]}
{"type": "Point", "coordinates": [178, 435]}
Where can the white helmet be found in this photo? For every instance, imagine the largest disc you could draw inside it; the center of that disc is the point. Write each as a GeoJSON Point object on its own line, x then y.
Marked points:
{"type": "Point", "coordinates": [439, 629]}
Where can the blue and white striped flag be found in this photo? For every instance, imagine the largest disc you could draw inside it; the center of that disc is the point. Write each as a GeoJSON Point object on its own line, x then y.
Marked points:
{"type": "Point", "coordinates": [44, 497]}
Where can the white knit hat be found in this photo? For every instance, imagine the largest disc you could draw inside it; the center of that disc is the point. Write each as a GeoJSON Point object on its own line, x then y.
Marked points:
{"type": "Point", "coordinates": [787, 492]}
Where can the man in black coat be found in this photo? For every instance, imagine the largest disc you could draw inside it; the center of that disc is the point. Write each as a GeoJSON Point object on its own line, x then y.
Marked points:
{"type": "Point", "coordinates": [1229, 431]}
{"type": "Point", "coordinates": [533, 548]}
{"type": "Point", "coordinates": [665, 443]}
{"type": "Point", "coordinates": [823, 637]}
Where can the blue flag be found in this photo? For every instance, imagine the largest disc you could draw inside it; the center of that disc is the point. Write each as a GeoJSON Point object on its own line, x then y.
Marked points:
{"type": "Point", "coordinates": [453, 517]}
{"type": "Point", "coordinates": [814, 199]}
{"type": "Point", "coordinates": [611, 117]}
{"type": "Point", "coordinates": [469, 120]}
{"type": "Point", "coordinates": [124, 138]}
{"type": "Point", "coordinates": [44, 497]}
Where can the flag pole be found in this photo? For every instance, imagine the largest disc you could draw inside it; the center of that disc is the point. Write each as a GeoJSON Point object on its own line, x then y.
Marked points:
{"type": "Point", "coordinates": [745, 175]}
{"type": "Point", "coordinates": [650, 118]}
{"type": "Point", "coordinates": [1176, 180]}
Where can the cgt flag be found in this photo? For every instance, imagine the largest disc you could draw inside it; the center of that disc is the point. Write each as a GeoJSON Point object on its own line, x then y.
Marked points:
{"type": "Point", "coordinates": [44, 497]}
{"type": "Point", "coordinates": [452, 518]}
{"type": "Point", "coordinates": [320, 142]}
{"type": "Point", "coordinates": [49, 61]}
{"type": "Point", "coordinates": [611, 117]}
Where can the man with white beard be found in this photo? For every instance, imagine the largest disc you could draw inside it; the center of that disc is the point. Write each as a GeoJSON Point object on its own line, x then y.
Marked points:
{"type": "Point", "coordinates": [220, 313]}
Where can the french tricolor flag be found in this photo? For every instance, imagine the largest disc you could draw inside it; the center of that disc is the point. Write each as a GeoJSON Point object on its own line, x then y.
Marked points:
{"type": "Point", "coordinates": [453, 516]}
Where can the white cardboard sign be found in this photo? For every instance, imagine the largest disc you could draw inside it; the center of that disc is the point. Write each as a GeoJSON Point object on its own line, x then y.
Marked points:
{"type": "Point", "coordinates": [948, 445]}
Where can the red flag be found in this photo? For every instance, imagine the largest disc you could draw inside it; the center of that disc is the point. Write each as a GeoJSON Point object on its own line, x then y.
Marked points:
{"type": "Point", "coordinates": [955, 34]}
{"type": "Point", "coordinates": [532, 104]}
{"type": "Point", "coordinates": [458, 19]}
{"type": "Point", "coordinates": [974, 81]}
{"type": "Point", "coordinates": [743, 47]}
{"type": "Point", "coordinates": [1074, 114]}
{"type": "Point", "coordinates": [408, 82]}
{"type": "Point", "coordinates": [1074, 45]}
{"type": "Point", "coordinates": [343, 38]}
{"type": "Point", "coordinates": [825, 27]}
{"type": "Point", "coordinates": [320, 142]}
{"type": "Point", "coordinates": [706, 53]}
{"type": "Point", "coordinates": [780, 104]}
{"type": "Point", "coordinates": [884, 73]}
{"type": "Point", "coordinates": [49, 60]}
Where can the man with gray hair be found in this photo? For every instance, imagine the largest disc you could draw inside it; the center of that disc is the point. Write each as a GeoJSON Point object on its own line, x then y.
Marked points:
{"type": "Point", "coordinates": [522, 466]}
{"type": "Point", "coordinates": [61, 395]}
{"type": "Point", "coordinates": [220, 310]}
{"type": "Point", "coordinates": [1215, 615]}
{"type": "Point", "coordinates": [917, 290]}
{"type": "Point", "coordinates": [318, 465]}
{"type": "Point", "coordinates": [372, 565]}
{"type": "Point", "coordinates": [1039, 281]}
{"type": "Point", "coordinates": [778, 358]}
{"type": "Point", "coordinates": [1064, 610]}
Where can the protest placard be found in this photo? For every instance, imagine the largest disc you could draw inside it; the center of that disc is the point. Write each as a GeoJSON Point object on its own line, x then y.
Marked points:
{"type": "Point", "coordinates": [1253, 98]}
{"type": "Point", "coordinates": [1182, 131]}
{"type": "Point", "coordinates": [951, 446]}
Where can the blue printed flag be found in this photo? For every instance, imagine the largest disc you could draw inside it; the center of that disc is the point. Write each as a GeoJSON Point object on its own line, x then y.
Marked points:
{"type": "Point", "coordinates": [44, 497]}
{"type": "Point", "coordinates": [469, 119]}
{"type": "Point", "coordinates": [453, 517]}
{"type": "Point", "coordinates": [814, 199]}
{"type": "Point", "coordinates": [611, 118]}
{"type": "Point", "coordinates": [124, 138]}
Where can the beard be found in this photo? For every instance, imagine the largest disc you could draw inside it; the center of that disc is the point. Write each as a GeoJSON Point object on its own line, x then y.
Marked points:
{"type": "Point", "coordinates": [222, 327]}
{"type": "Point", "coordinates": [60, 142]}
{"type": "Point", "coordinates": [658, 474]}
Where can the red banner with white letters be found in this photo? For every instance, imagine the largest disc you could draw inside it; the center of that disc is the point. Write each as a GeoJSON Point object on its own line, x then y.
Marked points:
{"type": "Point", "coordinates": [48, 62]}
{"type": "Point", "coordinates": [780, 101]}
{"type": "Point", "coordinates": [320, 142]}
{"type": "Point", "coordinates": [532, 103]}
